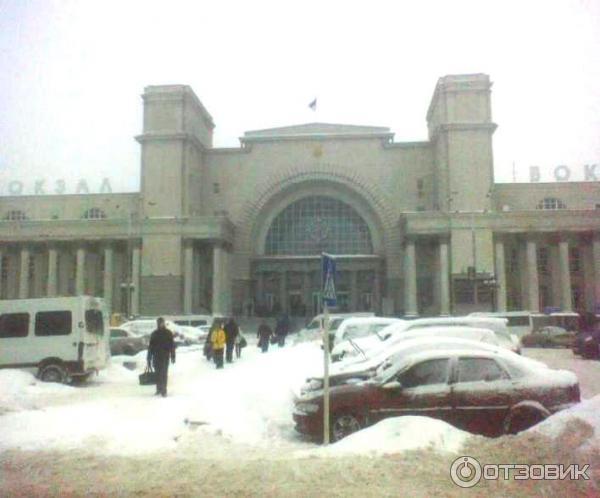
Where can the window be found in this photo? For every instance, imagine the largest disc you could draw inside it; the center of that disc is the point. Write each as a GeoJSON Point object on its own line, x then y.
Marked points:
{"type": "Point", "coordinates": [94, 323]}
{"type": "Point", "coordinates": [464, 291]}
{"type": "Point", "coordinates": [53, 323]}
{"type": "Point", "coordinates": [15, 215]}
{"type": "Point", "coordinates": [14, 325]}
{"type": "Point", "coordinates": [574, 260]}
{"type": "Point", "coordinates": [316, 224]}
{"type": "Point", "coordinates": [94, 214]}
{"type": "Point", "coordinates": [216, 188]}
{"type": "Point", "coordinates": [420, 188]}
{"type": "Point", "coordinates": [551, 203]}
{"type": "Point", "coordinates": [542, 260]}
{"type": "Point", "coordinates": [426, 373]}
{"type": "Point", "coordinates": [479, 369]}
{"type": "Point", "coordinates": [116, 333]}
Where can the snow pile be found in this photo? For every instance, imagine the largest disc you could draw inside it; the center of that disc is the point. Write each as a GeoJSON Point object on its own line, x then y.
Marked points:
{"type": "Point", "coordinates": [394, 435]}
{"type": "Point", "coordinates": [561, 423]}
{"type": "Point", "coordinates": [20, 390]}
{"type": "Point", "coordinates": [249, 402]}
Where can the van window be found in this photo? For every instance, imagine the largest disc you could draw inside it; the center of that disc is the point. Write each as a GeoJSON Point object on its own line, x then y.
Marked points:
{"type": "Point", "coordinates": [53, 323]}
{"type": "Point", "coordinates": [94, 323]}
{"type": "Point", "coordinates": [14, 325]}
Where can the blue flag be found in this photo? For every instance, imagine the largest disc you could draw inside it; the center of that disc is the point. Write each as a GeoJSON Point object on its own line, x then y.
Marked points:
{"type": "Point", "coordinates": [328, 272]}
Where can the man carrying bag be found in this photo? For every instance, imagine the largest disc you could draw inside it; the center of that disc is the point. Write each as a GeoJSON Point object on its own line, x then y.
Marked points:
{"type": "Point", "coordinates": [161, 348]}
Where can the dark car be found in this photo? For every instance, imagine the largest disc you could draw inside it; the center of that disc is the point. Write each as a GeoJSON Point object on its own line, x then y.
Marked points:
{"type": "Point", "coordinates": [126, 342]}
{"type": "Point", "coordinates": [488, 393]}
{"type": "Point", "coordinates": [587, 340]}
{"type": "Point", "coordinates": [587, 344]}
{"type": "Point", "coordinates": [549, 337]}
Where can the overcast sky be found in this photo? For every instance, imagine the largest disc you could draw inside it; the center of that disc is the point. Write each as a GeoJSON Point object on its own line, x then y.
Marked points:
{"type": "Point", "coordinates": [71, 75]}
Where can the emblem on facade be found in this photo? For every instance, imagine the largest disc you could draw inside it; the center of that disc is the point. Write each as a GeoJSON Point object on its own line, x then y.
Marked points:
{"type": "Point", "coordinates": [318, 230]}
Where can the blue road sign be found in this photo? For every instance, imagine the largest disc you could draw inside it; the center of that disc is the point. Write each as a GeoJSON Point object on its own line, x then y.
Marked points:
{"type": "Point", "coordinates": [328, 272]}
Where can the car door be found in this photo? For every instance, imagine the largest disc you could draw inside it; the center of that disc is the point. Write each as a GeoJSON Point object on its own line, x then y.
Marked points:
{"type": "Point", "coordinates": [481, 390]}
{"type": "Point", "coordinates": [423, 390]}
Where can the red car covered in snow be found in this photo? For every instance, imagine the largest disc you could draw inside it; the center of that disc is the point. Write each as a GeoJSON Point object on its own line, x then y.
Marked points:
{"type": "Point", "coordinates": [488, 393]}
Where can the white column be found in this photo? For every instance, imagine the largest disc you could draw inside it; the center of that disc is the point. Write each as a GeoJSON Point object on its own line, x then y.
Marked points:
{"type": "Point", "coordinates": [566, 301]}
{"type": "Point", "coordinates": [217, 283]}
{"type": "Point", "coordinates": [500, 276]}
{"type": "Point", "coordinates": [444, 279]}
{"type": "Point", "coordinates": [410, 280]}
{"type": "Point", "coordinates": [188, 277]}
{"type": "Point", "coordinates": [107, 281]}
{"type": "Point", "coordinates": [533, 291]}
{"type": "Point", "coordinates": [1, 270]}
{"type": "Point", "coordinates": [135, 280]}
{"type": "Point", "coordinates": [52, 286]}
{"type": "Point", "coordinates": [596, 264]}
{"type": "Point", "coordinates": [80, 272]}
{"type": "Point", "coordinates": [24, 274]}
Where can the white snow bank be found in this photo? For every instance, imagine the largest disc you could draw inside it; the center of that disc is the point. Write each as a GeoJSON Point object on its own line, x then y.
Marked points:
{"type": "Point", "coordinates": [587, 411]}
{"type": "Point", "coordinates": [394, 435]}
{"type": "Point", "coordinates": [20, 390]}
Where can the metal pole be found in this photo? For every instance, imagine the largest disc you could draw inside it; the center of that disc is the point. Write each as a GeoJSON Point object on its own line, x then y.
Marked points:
{"type": "Point", "coordinates": [325, 374]}
{"type": "Point", "coordinates": [129, 264]}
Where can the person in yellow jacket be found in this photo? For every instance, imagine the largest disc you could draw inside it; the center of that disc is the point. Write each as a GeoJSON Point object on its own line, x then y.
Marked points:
{"type": "Point", "coordinates": [218, 344]}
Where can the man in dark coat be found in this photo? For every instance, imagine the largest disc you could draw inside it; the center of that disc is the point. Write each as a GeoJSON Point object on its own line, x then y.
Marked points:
{"type": "Point", "coordinates": [264, 335]}
{"type": "Point", "coordinates": [231, 332]}
{"type": "Point", "coordinates": [282, 328]}
{"type": "Point", "coordinates": [161, 348]}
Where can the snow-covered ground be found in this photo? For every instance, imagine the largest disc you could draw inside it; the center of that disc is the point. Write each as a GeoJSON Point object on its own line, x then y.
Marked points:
{"type": "Point", "coordinates": [247, 405]}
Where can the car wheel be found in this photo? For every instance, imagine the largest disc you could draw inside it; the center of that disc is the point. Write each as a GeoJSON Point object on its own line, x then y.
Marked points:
{"type": "Point", "coordinates": [343, 425]}
{"type": "Point", "coordinates": [53, 373]}
{"type": "Point", "coordinates": [521, 420]}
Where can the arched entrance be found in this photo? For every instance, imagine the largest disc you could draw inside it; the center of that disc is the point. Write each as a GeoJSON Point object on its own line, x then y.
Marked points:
{"type": "Point", "coordinates": [287, 273]}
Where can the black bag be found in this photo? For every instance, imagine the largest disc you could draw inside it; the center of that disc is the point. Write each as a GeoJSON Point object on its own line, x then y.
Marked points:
{"type": "Point", "coordinates": [148, 378]}
{"type": "Point", "coordinates": [274, 339]}
{"type": "Point", "coordinates": [243, 342]}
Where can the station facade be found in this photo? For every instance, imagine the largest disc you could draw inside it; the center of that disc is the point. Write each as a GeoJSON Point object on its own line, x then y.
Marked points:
{"type": "Point", "coordinates": [418, 228]}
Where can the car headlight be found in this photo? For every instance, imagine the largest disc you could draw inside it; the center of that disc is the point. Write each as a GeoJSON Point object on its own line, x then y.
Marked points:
{"type": "Point", "coordinates": [315, 385]}
{"type": "Point", "coordinates": [588, 339]}
{"type": "Point", "coordinates": [307, 408]}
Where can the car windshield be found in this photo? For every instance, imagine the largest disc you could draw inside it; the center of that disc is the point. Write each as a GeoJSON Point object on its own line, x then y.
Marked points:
{"type": "Point", "coordinates": [356, 331]}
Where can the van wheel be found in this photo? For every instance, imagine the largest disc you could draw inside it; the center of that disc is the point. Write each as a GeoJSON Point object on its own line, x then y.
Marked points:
{"type": "Point", "coordinates": [53, 373]}
{"type": "Point", "coordinates": [343, 425]}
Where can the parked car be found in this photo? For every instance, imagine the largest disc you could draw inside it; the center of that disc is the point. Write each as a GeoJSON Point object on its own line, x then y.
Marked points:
{"type": "Point", "coordinates": [357, 327]}
{"type": "Point", "coordinates": [483, 392]}
{"type": "Point", "coordinates": [587, 340]}
{"type": "Point", "coordinates": [382, 338]}
{"type": "Point", "coordinates": [549, 337]}
{"type": "Point", "coordinates": [125, 342]}
{"type": "Point", "coordinates": [352, 372]}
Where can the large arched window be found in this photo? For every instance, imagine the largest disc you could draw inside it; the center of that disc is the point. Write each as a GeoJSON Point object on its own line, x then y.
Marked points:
{"type": "Point", "coordinates": [316, 224]}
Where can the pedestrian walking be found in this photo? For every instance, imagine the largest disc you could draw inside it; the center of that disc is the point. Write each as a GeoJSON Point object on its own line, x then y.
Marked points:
{"type": "Point", "coordinates": [160, 349]}
{"type": "Point", "coordinates": [240, 343]}
{"type": "Point", "coordinates": [218, 344]}
{"type": "Point", "coordinates": [282, 328]}
{"type": "Point", "coordinates": [231, 332]}
{"type": "Point", "coordinates": [264, 334]}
